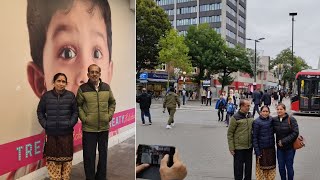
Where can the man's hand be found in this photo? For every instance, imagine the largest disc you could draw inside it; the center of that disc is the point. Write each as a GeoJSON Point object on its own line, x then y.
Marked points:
{"type": "Point", "coordinates": [141, 167]}
{"type": "Point", "coordinates": [280, 143]}
{"type": "Point", "coordinates": [177, 171]}
{"type": "Point", "coordinates": [232, 153]}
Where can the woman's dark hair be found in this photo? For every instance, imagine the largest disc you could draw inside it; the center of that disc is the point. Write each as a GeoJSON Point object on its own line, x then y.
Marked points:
{"type": "Point", "coordinates": [265, 106]}
{"type": "Point", "coordinates": [282, 105]}
{"type": "Point", "coordinates": [55, 77]}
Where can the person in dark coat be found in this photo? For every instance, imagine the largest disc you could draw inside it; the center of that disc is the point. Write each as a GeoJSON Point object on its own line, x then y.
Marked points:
{"type": "Point", "coordinates": [275, 97]}
{"type": "Point", "coordinates": [266, 98]}
{"type": "Point", "coordinates": [220, 106]}
{"type": "Point", "coordinates": [144, 99]}
{"type": "Point", "coordinates": [264, 145]}
{"type": "Point", "coordinates": [58, 113]}
{"type": "Point", "coordinates": [285, 136]}
{"type": "Point", "coordinates": [256, 98]}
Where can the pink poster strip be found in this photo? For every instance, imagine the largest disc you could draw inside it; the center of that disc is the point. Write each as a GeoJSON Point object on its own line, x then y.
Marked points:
{"type": "Point", "coordinates": [16, 154]}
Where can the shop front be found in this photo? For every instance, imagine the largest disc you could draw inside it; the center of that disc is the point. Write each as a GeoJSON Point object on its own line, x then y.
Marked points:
{"type": "Point", "coordinates": [154, 82]}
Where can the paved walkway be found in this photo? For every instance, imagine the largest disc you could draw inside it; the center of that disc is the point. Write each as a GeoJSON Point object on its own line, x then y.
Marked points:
{"type": "Point", "coordinates": [121, 162]}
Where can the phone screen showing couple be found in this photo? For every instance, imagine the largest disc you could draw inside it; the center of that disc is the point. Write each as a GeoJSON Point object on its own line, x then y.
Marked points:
{"type": "Point", "coordinates": [153, 154]}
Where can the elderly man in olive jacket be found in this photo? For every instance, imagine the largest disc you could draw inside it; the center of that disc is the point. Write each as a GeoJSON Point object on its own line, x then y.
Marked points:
{"type": "Point", "coordinates": [170, 102]}
{"type": "Point", "coordinates": [96, 107]}
{"type": "Point", "coordinates": [240, 141]}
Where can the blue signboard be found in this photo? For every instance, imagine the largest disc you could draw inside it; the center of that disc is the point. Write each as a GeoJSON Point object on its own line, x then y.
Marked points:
{"type": "Point", "coordinates": [158, 75]}
{"type": "Point", "coordinates": [143, 76]}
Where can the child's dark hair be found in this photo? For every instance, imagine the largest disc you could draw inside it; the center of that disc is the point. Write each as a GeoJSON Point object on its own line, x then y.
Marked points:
{"type": "Point", "coordinates": [265, 106]}
{"type": "Point", "coordinates": [56, 76]}
{"type": "Point", "coordinates": [39, 14]}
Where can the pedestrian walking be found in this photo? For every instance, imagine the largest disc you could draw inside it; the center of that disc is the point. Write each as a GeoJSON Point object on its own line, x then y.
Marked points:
{"type": "Point", "coordinates": [275, 98]}
{"type": "Point", "coordinates": [203, 96]}
{"type": "Point", "coordinates": [170, 102]}
{"type": "Point", "coordinates": [231, 107]}
{"type": "Point", "coordinates": [184, 93]}
{"type": "Point", "coordinates": [221, 105]}
{"type": "Point", "coordinates": [144, 100]}
{"type": "Point", "coordinates": [209, 96]}
{"type": "Point", "coordinates": [266, 98]}
{"type": "Point", "coordinates": [239, 141]}
{"type": "Point", "coordinates": [257, 101]}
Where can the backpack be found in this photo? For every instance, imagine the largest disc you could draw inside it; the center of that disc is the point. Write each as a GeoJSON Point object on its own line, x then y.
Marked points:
{"type": "Point", "coordinates": [230, 108]}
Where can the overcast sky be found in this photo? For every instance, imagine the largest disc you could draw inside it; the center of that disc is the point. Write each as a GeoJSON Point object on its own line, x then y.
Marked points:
{"type": "Point", "coordinates": [270, 19]}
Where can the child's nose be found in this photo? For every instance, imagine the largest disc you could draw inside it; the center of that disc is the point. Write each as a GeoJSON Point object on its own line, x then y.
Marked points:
{"type": "Point", "coordinates": [82, 70]}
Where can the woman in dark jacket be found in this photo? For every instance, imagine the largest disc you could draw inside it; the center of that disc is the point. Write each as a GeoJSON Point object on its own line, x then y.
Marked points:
{"type": "Point", "coordinates": [285, 136]}
{"type": "Point", "coordinates": [264, 145]}
{"type": "Point", "coordinates": [58, 113]}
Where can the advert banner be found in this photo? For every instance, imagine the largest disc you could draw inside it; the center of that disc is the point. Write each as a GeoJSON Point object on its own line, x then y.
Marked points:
{"type": "Point", "coordinates": [16, 154]}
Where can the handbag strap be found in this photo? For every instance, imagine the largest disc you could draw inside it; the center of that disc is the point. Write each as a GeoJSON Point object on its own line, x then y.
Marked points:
{"type": "Point", "coordinates": [289, 121]}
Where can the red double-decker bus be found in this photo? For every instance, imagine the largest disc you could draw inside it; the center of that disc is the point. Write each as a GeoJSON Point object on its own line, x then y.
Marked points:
{"type": "Point", "coordinates": [306, 92]}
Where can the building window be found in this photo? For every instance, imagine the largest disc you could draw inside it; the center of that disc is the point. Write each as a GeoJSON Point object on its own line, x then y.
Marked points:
{"type": "Point", "coordinates": [182, 1]}
{"type": "Point", "coordinates": [169, 12]}
{"type": "Point", "coordinates": [172, 23]}
{"type": "Point", "coordinates": [241, 29]}
{"type": "Point", "coordinates": [218, 30]}
{"type": "Point", "coordinates": [210, 7]}
{"type": "Point", "coordinates": [187, 10]}
{"type": "Point", "coordinates": [231, 23]}
{"type": "Point", "coordinates": [234, 2]}
{"type": "Point", "coordinates": [230, 44]}
{"type": "Point", "coordinates": [164, 2]}
{"type": "Point", "coordinates": [241, 19]}
{"type": "Point", "coordinates": [209, 19]}
{"type": "Point", "coordinates": [241, 40]}
{"type": "Point", "coordinates": [182, 33]}
{"type": "Point", "coordinates": [162, 67]}
{"type": "Point", "coordinates": [194, 70]}
{"type": "Point", "coordinates": [182, 22]}
{"type": "Point", "coordinates": [231, 11]}
{"type": "Point", "coordinates": [231, 34]}
{"type": "Point", "coordinates": [242, 8]}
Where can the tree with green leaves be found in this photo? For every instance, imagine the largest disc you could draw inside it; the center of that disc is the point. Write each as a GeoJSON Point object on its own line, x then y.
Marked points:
{"type": "Point", "coordinates": [205, 46]}
{"type": "Point", "coordinates": [151, 24]}
{"type": "Point", "coordinates": [284, 58]}
{"type": "Point", "coordinates": [232, 60]}
{"type": "Point", "coordinates": [174, 52]}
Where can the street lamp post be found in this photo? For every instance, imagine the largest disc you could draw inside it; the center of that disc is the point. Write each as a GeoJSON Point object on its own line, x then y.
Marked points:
{"type": "Point", "coordinates": [255, 57]}
{"type": "Point", "coordinates": [292, 15]}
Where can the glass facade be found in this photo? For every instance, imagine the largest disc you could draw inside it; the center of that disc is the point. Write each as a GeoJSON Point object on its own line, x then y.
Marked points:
{"type": "Point", "coordinates": [210, 7]}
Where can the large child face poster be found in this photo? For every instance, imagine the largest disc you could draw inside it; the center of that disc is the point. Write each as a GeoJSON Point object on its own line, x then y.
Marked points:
{"type": "Point", "coordinates": [40, 38]}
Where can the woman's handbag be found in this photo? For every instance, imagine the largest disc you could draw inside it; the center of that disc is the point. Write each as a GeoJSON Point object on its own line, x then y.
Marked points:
{"type": "Point", "coordinates": [300, 141]}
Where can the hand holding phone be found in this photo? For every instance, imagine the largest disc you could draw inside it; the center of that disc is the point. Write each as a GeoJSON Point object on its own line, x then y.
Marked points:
{"type": "Point", "coordinates": [152, 155]}
{"type": "Point", "coordinates": [177, 171]}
